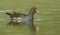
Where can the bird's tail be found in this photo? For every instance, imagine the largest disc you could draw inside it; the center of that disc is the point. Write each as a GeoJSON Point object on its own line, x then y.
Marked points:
{"type": "Point", "coordinates": [8, 13]}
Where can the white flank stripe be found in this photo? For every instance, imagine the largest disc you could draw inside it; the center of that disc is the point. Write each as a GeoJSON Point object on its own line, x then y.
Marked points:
{"type": "Point", "coordinates": [18, 19]}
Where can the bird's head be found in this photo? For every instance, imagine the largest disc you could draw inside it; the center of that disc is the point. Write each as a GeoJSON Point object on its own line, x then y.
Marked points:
{"type": "Point", "coordinates": [35, 9]}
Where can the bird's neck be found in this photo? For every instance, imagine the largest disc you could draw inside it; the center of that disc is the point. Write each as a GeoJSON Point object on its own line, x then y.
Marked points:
{"type": "Point", "coordinates": [31, 13]}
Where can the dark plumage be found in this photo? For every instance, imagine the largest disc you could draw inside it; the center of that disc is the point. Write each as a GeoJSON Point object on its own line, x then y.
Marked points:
{"type": "Point", "coordinates": [28, 19]}
{"type": "Point", "coordinates": [19, 14]}
{"type": "Point", "coordinates": [14, 16]}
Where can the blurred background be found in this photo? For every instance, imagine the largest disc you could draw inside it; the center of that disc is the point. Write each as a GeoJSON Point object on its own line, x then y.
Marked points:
{"type": "Point", "coordinates": [49, 13]}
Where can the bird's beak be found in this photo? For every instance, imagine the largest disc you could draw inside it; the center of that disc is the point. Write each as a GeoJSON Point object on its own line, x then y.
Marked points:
{"type": "Point", "coordinates": [37, 10]}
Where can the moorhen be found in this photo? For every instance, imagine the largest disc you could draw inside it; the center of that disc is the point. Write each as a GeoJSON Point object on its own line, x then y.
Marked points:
{"type": "Point", "coordinates": [28, 19]}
